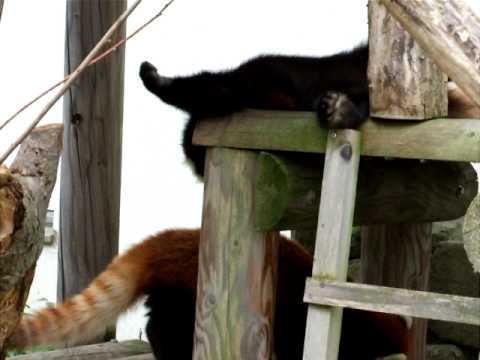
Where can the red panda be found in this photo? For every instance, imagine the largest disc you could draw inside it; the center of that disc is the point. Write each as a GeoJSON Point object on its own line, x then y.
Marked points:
{"type": "Point", "coordinates": [164, 268]}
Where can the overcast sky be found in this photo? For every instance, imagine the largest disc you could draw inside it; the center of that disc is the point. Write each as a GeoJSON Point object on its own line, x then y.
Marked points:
{"type": "Point", "coordinates": [158, 189]}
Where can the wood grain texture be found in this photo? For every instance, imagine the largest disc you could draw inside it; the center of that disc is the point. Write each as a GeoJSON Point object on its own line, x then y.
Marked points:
{"type": "Point", "coordinates": [103, 351]}
{"type": "Point", "coordinates": [388, 191]}
{"type": "Point", "coordinates": [25, 191]}
{"type": "Point", "coordinates": [237, 265]}
{"type": "Point", "coordinates": [91, 166]}
{"type": "Point", "coordinates": [333, 239]}
{"type": "Point", "coordinates": [413, 88]}
{"type": "Point", "coordinates": [395, 301]}
{"type": "Point", "coordinates": [401, 77]}
{"type": "Point", "coordinates": [398, 255]}
{"type": "Point", "coordinates": [438, 139]}
{"type": "Point", "coordinates": [449, 32]}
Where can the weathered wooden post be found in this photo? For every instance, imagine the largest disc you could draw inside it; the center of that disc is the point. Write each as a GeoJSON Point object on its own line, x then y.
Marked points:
{"type": "Point", "coordinates": [25, 191]}
{"type": "Point", "coordinates": [91, 166]}
{"type": "Point", "coordinates": [405, 85]}
{"type": "Point", "coordinates": [237, 265]}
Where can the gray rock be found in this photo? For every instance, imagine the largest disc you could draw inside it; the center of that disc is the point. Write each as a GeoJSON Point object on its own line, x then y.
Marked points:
{"type": "Point", "coordinates": [444, 352]}
{"type": "Point", "coordinates": [354, 270]}
{"type": "Point", "coordinates": [447, 231]}
{"type": "Point", "coordinates": [451, 273]}
{"type": "Point", "coordinates": [471, 233]}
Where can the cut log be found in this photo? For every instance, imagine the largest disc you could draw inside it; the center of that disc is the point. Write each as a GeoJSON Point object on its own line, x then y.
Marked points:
{"type": "Point", "coordinates": [389, 191]}
{"type": "Point", "coordinates": [410, 89]}
{"type": "Point", "coordinates": [25, 190]}
{"type": "Point", "coordinates": [449, 32]}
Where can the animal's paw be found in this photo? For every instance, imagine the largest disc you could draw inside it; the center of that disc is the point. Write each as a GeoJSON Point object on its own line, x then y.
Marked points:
{"type": "Point", "coordinates": [335, 110]}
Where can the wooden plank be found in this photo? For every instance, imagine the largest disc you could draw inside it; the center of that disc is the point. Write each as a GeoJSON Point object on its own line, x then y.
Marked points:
{"type": "Point", "coordinates": [388, 191]}
{"type": "Point", "coordinates": [394, 301]}
{"type": "Point", "coordinates": [449, 32]}
{"type": "Point", "coordinates": [418, 89]}
{"type": "Point", "coordinates": [398, 255]}
{"type": "Point", "coordinates": [333, 239]}
{"type": "Point", "coordinates": [237, 265]}
{"type": "Point", "coordinates": [438, 139]}
{"type": "Point", "coordinates": [91, 165]}
{"type": "Point", "coordinates": [102, 351]}
{"type": "Point", "coordinates": [139, 357]}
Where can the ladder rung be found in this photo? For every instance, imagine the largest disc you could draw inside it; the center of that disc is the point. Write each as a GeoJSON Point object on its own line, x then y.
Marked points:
{"type": "Point", "coordinates": [421, 304]}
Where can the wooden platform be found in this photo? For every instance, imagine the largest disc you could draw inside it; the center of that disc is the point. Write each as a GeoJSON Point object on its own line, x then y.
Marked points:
{"type": "Point", "coordinates": [124, 350]}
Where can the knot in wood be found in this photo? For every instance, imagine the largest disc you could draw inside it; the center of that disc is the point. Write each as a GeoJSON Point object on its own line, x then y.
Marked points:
{"type": "Point", "coordinates": [346, 151]}
{"type": "Point", "coordinates": [76, 119]}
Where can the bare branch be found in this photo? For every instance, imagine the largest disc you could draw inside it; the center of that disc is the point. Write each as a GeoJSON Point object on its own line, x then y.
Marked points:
{"type": "Point", "coordinates": [72, 78]}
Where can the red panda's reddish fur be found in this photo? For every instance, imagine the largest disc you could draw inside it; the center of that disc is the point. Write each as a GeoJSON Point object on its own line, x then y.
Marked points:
{"type": "Point", "coordinates": [170, 260]}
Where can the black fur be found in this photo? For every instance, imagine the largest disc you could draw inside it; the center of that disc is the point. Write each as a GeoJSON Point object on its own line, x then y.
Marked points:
{"type": "Point", "coordinates": [335, 87]}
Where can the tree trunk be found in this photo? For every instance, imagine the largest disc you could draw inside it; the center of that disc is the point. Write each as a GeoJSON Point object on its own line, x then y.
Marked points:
{"type": "Point", "coordinates": [91, 167]}
{"type": "Point", "coordinates": [25, 191]}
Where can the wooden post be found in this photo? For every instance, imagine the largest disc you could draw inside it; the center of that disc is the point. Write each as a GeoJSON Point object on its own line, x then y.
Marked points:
{"type": "Point", "coordinates": [413, 88]}
{"type": "Point", "coordinates": [333, 239]}
{"type": "Point", "coordinates": [449, 32]}
{"type": "Point", "coordinates": [24, 195]}
{"type": "Point", "coordinates": [237, 265]}
{"type": "Point", "coordinates": [398, 255]}
{"type": "Point", "coordinates": [91, 165]}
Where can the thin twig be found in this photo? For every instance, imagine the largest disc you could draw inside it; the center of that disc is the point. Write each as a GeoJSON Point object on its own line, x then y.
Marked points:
{"type": "Point", "coordinates": [73, 76]}
{"type": "Point", "coordinates": [93, 61]}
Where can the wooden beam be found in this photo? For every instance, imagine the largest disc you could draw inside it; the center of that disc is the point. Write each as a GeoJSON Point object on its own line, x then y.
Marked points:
{"type": "Point", "coordinates": [393, 300]}
{"type": "Point", "coordinates": [389, 191]}
{"type": "Point", "coordinates": [237, 265]}
{"type": "Point", "coordinates": [131, 349]}
{"type": "Point", "coordinates": [439, 139]}
{"type": "Point", "coordinates": [410, 89]}
{"type": "Point", "coordinates": [332, 245]}
{"type": "Point", "coordinates": [91, 165]}
{"type": "Point", "coordinates": [449, 32]}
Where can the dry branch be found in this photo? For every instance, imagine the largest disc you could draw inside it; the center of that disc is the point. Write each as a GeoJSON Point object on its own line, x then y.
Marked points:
{"type": "Point", "coordinates": [25, 190]}
{"type": "Point", "coordinates": [73, 76]}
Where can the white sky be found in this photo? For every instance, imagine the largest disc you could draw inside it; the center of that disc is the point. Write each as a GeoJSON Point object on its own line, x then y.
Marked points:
{"type": "Point", "coordinates": [158, 189]}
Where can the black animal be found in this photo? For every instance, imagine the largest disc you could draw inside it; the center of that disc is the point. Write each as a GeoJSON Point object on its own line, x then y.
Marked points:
{"type": "Point", "coordinates": [335, 87]}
